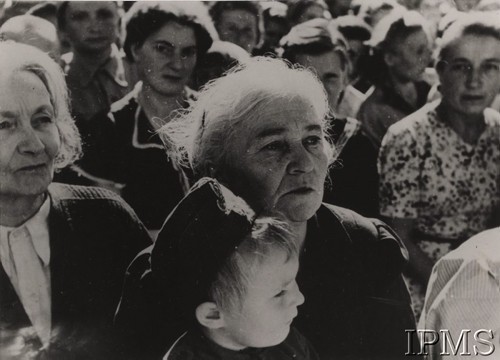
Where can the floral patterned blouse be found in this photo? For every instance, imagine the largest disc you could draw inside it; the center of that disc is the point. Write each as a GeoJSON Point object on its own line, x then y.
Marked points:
{"type": "Point", "coordinates": [428, 173]}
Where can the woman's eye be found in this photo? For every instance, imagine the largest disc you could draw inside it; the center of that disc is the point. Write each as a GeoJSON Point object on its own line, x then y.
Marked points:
{"type": "Point", "coordinates": [491, 68]}
{"type": "Point", "coordinates": [464, 68]}
{"type": "Point", "coordinates": [5, 125]}
{"type": "Point", "coordinates": [274, 146]}
{"type": "Point", "coordinates": [188, 53]}
{"type": "Point", "coordinates": [280, 294]}
{"type": "Point", "coordinates": [45, 119]}
{"type": "Point", "coordinates": [313, 141]}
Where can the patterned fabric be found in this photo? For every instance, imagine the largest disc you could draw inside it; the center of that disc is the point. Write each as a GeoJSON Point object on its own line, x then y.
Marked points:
{"type": "Point", "coordinates": [464, 291]}
{"type": "Point", "coordinates": [428, 173]}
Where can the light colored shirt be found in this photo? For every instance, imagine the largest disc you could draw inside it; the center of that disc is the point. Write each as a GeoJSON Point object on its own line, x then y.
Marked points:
{"type": "Point", "coordinates": [25, 257]}
{"type": "Point", "coordinates": [464, 293]}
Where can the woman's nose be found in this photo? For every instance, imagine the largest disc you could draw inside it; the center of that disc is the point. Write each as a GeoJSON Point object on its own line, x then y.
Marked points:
{"type": "Point", "coordinates": [30, 142]}
{"type": "Point", "coordinates": [474, 78]}
{"type": "Point", "coordinates": [300, 160]}
{"type": "Point", "coordinates": [298, 297]}
{"type": "Point", "coordinates": [177, 62]}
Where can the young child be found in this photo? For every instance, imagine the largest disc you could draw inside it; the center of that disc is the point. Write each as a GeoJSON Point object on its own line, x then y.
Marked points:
{"type": "Point", "coordinates": [233, 277]}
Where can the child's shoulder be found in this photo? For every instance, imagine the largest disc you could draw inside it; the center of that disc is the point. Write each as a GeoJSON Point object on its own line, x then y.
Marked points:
{"type": "Point", "coordinates": [295, 346]}
{"type": "Point", "coordinates": [193, 345]}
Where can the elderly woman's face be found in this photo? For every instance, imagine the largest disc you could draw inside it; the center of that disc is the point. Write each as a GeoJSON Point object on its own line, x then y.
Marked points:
{"type": "Point", "coordinates": [470, 74]}
{"type": "Point", "coordinates": [29, 138]}
{"type": "Point", "coordinates": [278, 161]}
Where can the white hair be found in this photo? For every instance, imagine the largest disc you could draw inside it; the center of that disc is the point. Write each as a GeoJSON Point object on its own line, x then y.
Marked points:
{"type": "Point", "coordinates": [202, 133]}
{"type": "Point", "coordinates": [16, 57]}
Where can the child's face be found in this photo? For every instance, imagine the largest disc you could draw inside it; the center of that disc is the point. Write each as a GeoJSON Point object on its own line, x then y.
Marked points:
{"type": "Point", "coordinates": [269, 306]}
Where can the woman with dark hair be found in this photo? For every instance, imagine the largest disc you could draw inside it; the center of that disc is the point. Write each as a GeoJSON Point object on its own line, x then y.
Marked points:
{"type": "Point", "coordinates": [440, 167]}
{"type": "Point", "coordinates": [401, 53]}
{"type": "Point", "coordinates": [164, 41]}
{"type": "Point", "coordinates": [63, 249]}
{"type": "Point", "coordinates": [261, 130]}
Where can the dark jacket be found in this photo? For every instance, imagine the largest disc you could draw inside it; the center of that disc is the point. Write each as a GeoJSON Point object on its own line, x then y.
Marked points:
{"type": "Point", "coordinates": [93, 237]}
{"type": "Point", "coordinates": [356, 303]}
{"type": "Point", "coordinates": [195, 346]}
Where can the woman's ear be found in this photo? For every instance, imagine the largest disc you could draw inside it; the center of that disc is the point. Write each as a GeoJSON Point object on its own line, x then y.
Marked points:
{"type": "Point", "coordinates": [389, 58]}
{"type": "Point", "coordinates": [209, 316]}
{"type": "Point", "coordinates": [134, 50]}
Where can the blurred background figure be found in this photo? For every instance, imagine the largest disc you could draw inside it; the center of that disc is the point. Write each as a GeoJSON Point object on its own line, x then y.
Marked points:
{"type": "Point", "coordinates": [339, 7]}
{"type": "Point", "coordinates": [353, 179]}
{"type": "Point", "coordinates": [275, 27]}
{"type": "Point", "coordinates": [238, 22]}
{"type": "Point", "coordinates": [94, 69]}
{"type": "Point", "coordinates": [163, 41]}
{"type": "Point", "coordinates": [440, 167]}
{"type": "Point", "coordinates": [401, 52]}
{"type": "Point", "coordinates": [32, 30]}
{"type": "Point", "coordinates": [466, 5]}
{"type": "Point", "coordinates": [300, 11]}
{"type": "Point", "coordinates": [63, 249]}
{"type": "Point", "coordinates": [221, 57]}
{"type": "Point", "coordinates": [356, 32]}
{"type": "Point", "coordinates": [372, 11]}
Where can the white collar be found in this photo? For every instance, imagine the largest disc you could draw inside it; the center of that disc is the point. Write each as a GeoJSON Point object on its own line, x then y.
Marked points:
{"type": "Point", "coordinates": [38, 229]}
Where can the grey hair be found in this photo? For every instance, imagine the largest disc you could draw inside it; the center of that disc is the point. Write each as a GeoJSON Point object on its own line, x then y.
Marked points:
{"type": "Point", "coordinates": [268, 236]}
{"type": "Point", "coordinates": [479, 24]}
{"type": "Point", "coordinates": [15, 57]}
{"type": "Point", "coordinates": [199, 135]}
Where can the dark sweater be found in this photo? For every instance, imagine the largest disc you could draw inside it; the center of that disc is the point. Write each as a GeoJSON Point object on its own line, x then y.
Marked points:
{"type": "Point", "coordinates": [195, 346]}
{"type": "Point", "coordinates": [93, 237]}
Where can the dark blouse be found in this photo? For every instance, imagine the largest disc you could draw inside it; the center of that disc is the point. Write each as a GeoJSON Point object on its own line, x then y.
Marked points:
{"type": "Point", "coordinates": [123, 147]}
{"type": "Point", "coordinates": [385, 106]}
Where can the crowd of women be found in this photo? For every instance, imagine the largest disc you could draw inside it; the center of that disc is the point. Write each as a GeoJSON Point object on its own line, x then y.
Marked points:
{"type": "Point", "coordinates": [368, 128]}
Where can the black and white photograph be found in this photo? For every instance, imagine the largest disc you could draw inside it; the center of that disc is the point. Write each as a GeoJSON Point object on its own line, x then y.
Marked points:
{"type": "Point", "coordinates": [250, 180]}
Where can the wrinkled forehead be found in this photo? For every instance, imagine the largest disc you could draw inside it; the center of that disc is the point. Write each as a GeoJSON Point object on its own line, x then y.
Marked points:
{"type": "Point", "coordinates": [290, 114]}
{"type": "Point", "coordinates": [472, 47]}
{"type": "Point", "coordinates": [92, 6]}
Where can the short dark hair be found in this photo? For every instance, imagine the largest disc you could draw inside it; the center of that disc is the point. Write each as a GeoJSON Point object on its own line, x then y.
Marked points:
{"type": "Point", "coordinates": [144, 19]}
{"type": "Point", "coordinates": [61, 13]}
{"type": "Point", "coordinates": [219, 7]}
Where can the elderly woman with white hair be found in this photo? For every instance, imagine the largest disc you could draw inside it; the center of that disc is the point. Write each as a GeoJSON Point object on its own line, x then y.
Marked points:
{"type": "Point", "coordinates": [261, 130]}
{"type": "Point", "coordinates": [63, 249]}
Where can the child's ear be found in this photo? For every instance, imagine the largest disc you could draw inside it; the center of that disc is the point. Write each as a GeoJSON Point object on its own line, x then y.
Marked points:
{"type": "Point", "coordinates": [209, 315]}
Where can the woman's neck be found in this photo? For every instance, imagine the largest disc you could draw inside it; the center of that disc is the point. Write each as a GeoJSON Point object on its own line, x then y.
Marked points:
{"type": "Point", "coordinates": [157, 106]}
{"type": "Point", "coordinates": [406, 89]}
{"type": "Point", "coordinates": [468, 127]}
{"type": "Point", "coordinates": [16, 210]}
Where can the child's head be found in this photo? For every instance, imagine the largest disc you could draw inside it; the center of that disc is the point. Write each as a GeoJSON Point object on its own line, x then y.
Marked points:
{"type": "Point", "coordinates": [227, 270]}
{"type": "Point", "coordinates": [255, 295]}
